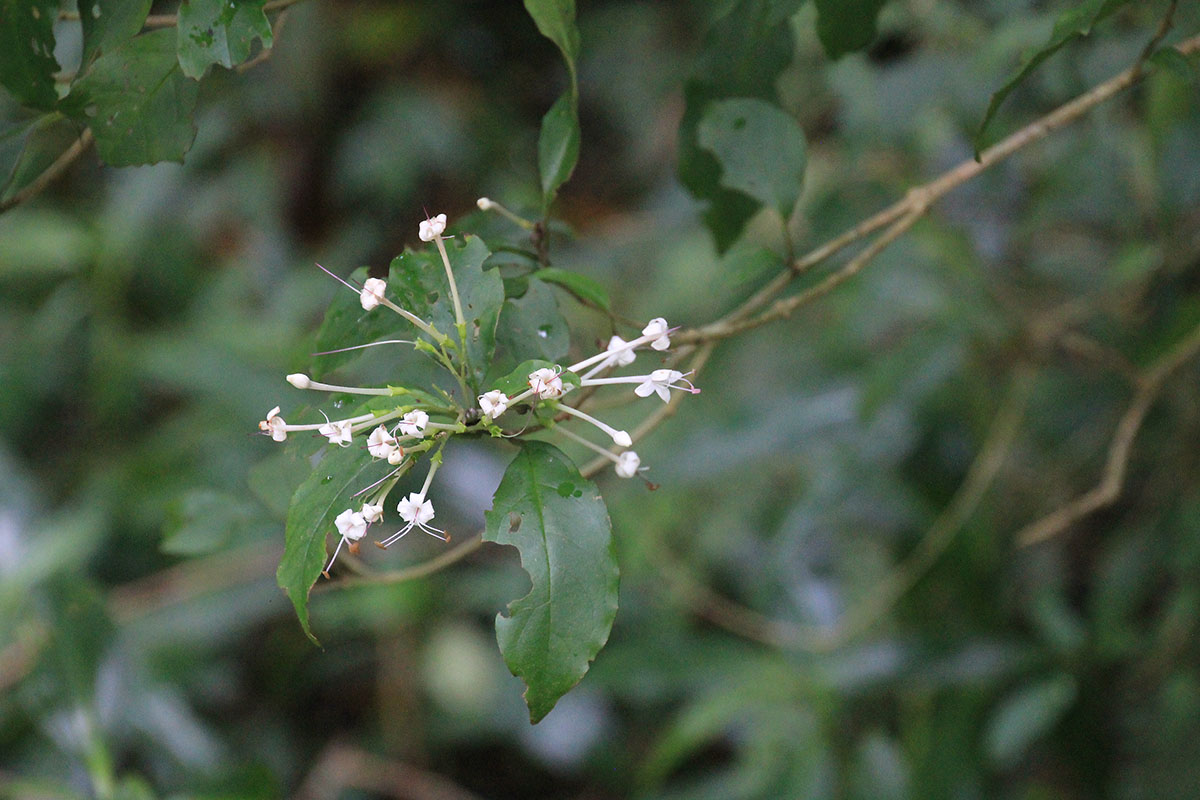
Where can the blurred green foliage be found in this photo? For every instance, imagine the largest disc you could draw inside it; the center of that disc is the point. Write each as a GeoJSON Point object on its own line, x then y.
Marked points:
{"type": "Point", "coordinates": [148, 315]}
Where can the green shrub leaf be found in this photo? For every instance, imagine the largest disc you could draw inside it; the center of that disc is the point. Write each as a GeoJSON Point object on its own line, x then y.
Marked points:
{"type": "Point", "coordinates": [27, 63]}
{"type": "Point", "coordinates": [845, 26]}
{"type": "Point", "coordinates": [219, 32]}
{"type": "Point", "coordinates": [557, 520]}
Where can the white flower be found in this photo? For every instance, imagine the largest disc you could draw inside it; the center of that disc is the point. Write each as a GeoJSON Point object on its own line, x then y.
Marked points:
{"type": "Point", "coordinates": [338, 432]}
{"type": "Point", "coordinates": [396, 456]}
{"type": "Point", "coordinates": [620, 357]}
{"type": "Point", "coordinates": [493, 403]}
{"type": "Point", "coordinates": [546, 383]}
{"type": "Point", "coordinates": [662, 381]}
{"type": "Point", "coordinates": [627, 464]}
{"type": "Point", "coordinates": [274, 425]}
{"type": "Point", "coordinates": [658, 327]}
{"type": "Point", "coordinates": [372, 292]}
{"type": "Point", "coordinates": [413, 423]}
{"type": "Point", "coordinates": [417, 512]}
{"type": "Point", "coordinates": [381, 444]}
{"type": "Point", "coordinates": [432, 228]}
{"type": "Point", "coordinates": [352, 526]}
{"type": "Point", "coordinates": [372, 513]}
{"type": "Point", "coordinates": [299, 380]}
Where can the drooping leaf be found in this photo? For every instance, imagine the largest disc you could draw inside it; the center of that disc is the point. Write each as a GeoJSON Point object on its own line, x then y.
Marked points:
{"type": "Point", "coordinates": [1025, 716]}
{"type": "Point", "coordinates": [324, 494]}
{"type": "Point", "coordinates": [109, 23]}
{"type": "Point", "coordinates": [555, 19]}
{"type": "Point", "coordinates": [137, 102]}
{"type": "Point", "coordinates": [587, 290]}
{"type": "Point", "coordinates": [760, 148]}
{"type": "Point", "coordinates": [219, 32]}
{"type": "Point", "coordinates": [27, 63]}
{"type": "Point", "coordinates": [419, 280]}
{"type": "Point", "coordinates": [845, 26]}
{"type": "Point", "coordinates": [558, 147]}
{"type": "Point", "coordinates": [532, 325]}
{"type": "Point", "coordinates": [1070, 25]}
{"type": "Point", "coordinates": [557, 520]}
{"type": "Point", "coordinates": [743, 54]}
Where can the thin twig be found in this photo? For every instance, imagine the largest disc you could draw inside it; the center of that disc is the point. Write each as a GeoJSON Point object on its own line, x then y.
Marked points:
{"type": "Point", "coordinates": [50, 174]}
{"type": "Point", "coordinates": [982, 472]}
{"type": "Point", "coordinates": [916, 202]}
{"type": "Point", "coordinates": [1164, 27]}
{"type": "Point", "coordinates": [1112, 480]}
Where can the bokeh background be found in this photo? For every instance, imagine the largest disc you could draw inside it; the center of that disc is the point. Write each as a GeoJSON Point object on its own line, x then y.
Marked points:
{"type": "Point", "coordinates": [148, 315]}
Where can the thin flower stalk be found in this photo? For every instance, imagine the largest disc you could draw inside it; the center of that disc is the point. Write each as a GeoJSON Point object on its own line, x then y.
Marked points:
{"type": "Point", "coordinates": [621, 438]}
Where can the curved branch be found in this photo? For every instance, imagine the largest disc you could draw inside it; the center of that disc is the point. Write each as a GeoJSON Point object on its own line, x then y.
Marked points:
{"type": "Point", "coordinates": [1112, 480]}
{"type": "Point", "coordinates": [913, 205]}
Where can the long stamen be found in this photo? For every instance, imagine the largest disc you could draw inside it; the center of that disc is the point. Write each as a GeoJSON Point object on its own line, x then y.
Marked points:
{"type": "Point", "coordinates": [361, 346]}
{"type": "Point", "coordinates": [336, 550]}
{"type": "Point", "coordinates": [347, 284]}
{"type": "Point", "coordinates": [619, 437]}
{"type": "Point", "coordinates": [575, 437]}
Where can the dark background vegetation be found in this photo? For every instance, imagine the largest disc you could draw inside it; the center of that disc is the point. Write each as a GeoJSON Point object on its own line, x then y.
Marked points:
{"type": "Point", "coordinates": [148, 315]}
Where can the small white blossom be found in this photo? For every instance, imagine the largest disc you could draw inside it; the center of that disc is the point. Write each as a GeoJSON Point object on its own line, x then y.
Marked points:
{"type": "Point", "coordinates": [352, 526]}
{"type": "Point", "coordinates": [627, 464]}
{"type": "Point", "coordinates": [372, 513]}
{"type": "Point", "coordinates": [484, 204]}
{"type": "Point", "coordinates": [620, 357]}
{"type": "Point", "coordinates": [546, 383]}
{"type": "Point", "coordinates": [381, 444]}
{"type": "Point", "coordinates": [299, 380]}
{"type": "Point", "coordinates": [274, 425]}
{"type": "Point", "coordinates": [417, 512]}
{"type": "Point", "coordinates": [432, 228]}
{"type": "Point", "coordinates": [337, 431]}
{"type": "Point", "coordinates": [493, 403]}
{"type": "Point", "coordinates": [658, 327]}
{"type": "Point", "coordinates": [396, 456]}
{"type": "Point", "coordinates": [372, 292]}
{"type": "Point", "coordinates": [413, 423]}
{"type": "Point", "coordinates": [662, 381]}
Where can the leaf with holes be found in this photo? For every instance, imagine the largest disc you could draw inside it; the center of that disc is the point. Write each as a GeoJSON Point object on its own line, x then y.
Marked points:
{"type": "Point", "coordinates": [419, 280]}
{"type": "Point", "coordinates": [760, 148]}
{"type": "Point", "coordinates": [324, 494]}
{"type": "Point", "coordinates": [557, 520]}
{"type": "Point", "coordinates": [137, 102]}
{"type": "Point", "coordinates": [219, 32]}
{"type": "Point", "coordinates": [27, 63]}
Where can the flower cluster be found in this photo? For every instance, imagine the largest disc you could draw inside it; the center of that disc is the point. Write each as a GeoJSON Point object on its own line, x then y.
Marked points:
{"type": "Point", "coordinates": [402, 435]}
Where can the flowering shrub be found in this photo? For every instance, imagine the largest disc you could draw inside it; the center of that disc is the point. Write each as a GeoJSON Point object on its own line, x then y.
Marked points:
{"type": "Point", "coordinates": [563, 534]}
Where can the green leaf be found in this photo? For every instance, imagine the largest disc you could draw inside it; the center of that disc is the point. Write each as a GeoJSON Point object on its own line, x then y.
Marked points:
{"type": "Point", "coordinates": [743, 54]}
{"type": "Point", "coordinates": [760, 148]}
{"type": "Point", "coordinates": [557, 520]}
{"type": "Point", "coordinates": [1025, 716]}
{"type": "Point", "coordinates": [219, 32]}
{"type": "Point", "coordinates": [1069, 26]}
{"type": "Point", "coordinates": [555, 19]}
{"type": "Point", "coordinates": [532, 325]}
{"type": "Point", "coordinates": [27, 63]}
{"type": "Point", "coordinates": [419, 280]}
{"type": "Point", "coordinates": [109, 23]}
{"type": "Point", "coordinates": [587, 290]}
{"type": "Point", "coordinates": [326, 493]}
{"type": "Point", "coordinates": [845, 26]}
{"type": "Point", "coordinates": [558, 147]}
{"type": "Point", "coordinates": [137, 102]}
